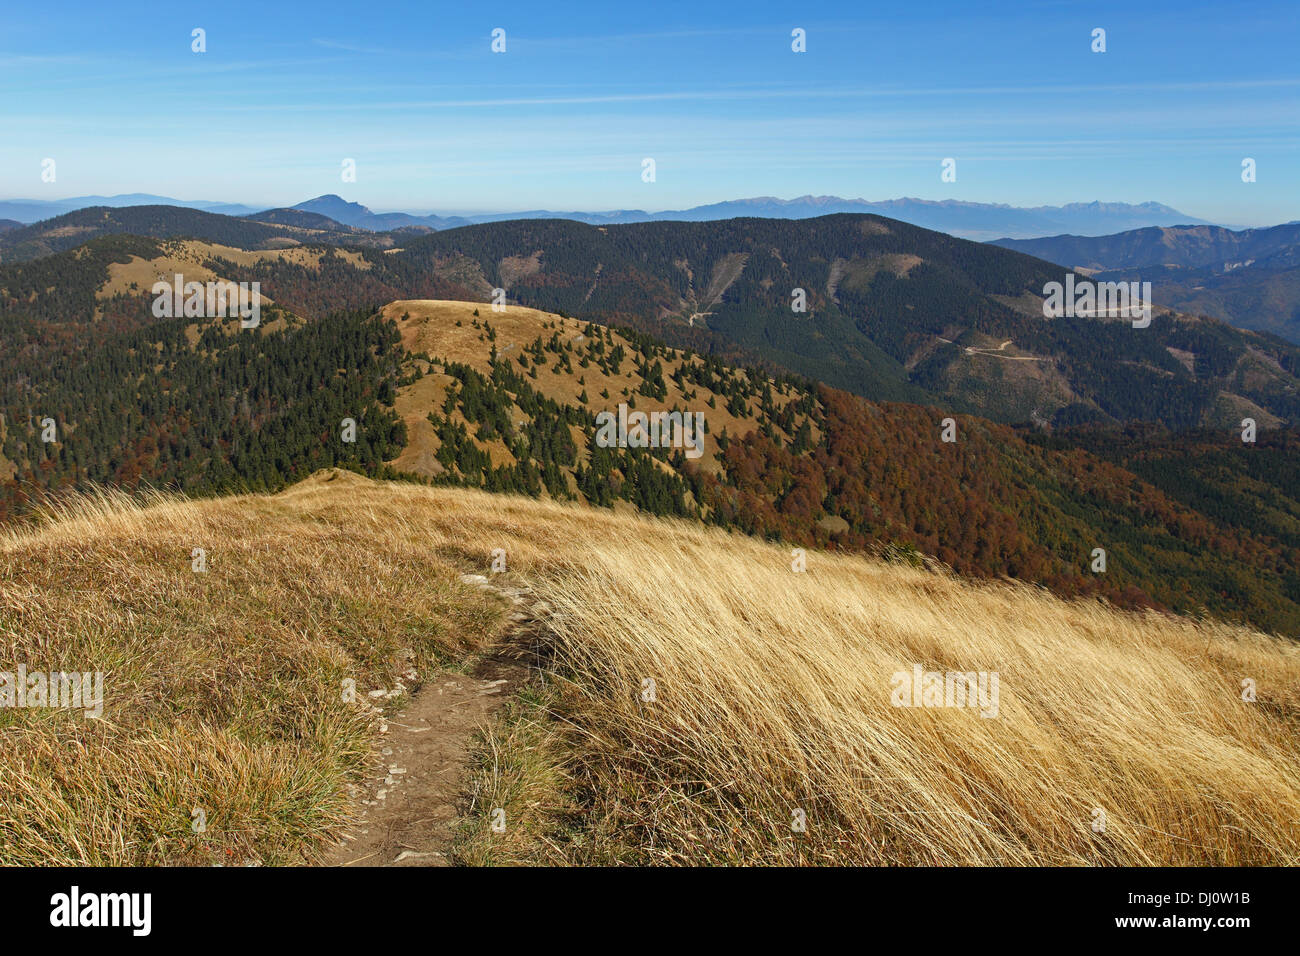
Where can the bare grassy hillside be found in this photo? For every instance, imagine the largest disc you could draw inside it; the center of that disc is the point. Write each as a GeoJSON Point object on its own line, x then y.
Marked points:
{"type": "Point", "coordinates": [701, 702]}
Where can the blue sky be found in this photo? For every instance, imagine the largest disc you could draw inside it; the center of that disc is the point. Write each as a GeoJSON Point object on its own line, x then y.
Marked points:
{"type": "Point", "coordinates": [711, 91]}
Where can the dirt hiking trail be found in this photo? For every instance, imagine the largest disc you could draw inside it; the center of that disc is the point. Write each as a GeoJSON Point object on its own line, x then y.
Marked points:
{"type": "Point", "coordinates": [408, 809]}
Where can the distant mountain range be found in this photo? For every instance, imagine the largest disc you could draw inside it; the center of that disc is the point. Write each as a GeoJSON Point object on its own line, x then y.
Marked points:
{"type": "Point", "coordinates": [28, 211]}
{"type": "Point", "coordinates": [1249, 277]}
{"type": "Point", "coordinates": [890, 311]}
{"type": "Point", "coordinates": [968, 220]}
{"type": "Point", "coordinates": [278, 228]}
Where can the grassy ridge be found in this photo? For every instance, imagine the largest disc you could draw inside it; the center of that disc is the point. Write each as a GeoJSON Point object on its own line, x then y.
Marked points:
{"type": "Point", "coordinates": [223, 690]}
{"type": "Point", "coordinates": [772, 694]}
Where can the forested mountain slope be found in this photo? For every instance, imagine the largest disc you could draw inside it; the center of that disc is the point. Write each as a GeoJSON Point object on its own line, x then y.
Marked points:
{"type": "Point", "coordinates": [508, 401]}
{"type": "Point", "coordinates": [891, 311]}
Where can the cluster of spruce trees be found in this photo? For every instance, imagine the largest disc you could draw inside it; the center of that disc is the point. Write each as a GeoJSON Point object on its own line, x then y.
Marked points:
{"type": "Point", "coordinates": [229, 409]}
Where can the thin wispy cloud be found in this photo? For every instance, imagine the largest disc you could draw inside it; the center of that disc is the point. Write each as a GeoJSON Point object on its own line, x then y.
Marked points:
{"type": "Point", "coordinates": [352, 47]}
{"type": "Point", "coordinates": [668, 96]}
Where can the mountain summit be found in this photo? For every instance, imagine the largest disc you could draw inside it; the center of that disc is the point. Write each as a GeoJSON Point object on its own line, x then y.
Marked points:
{"type": "Point", "coordinates": [338, 209]}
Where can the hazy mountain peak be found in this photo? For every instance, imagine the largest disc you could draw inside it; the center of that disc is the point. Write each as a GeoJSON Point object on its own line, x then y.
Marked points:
{"type": "Point", "coordinates": [337, 208]}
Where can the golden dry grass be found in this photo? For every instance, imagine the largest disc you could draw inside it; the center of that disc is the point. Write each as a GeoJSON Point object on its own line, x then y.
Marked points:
{"type": "Point", "coordinates": [772, 693]}
{"type": "Point", "coordinates": [223, 691]}
{"type": "Point", "coordinates": [189, 257]}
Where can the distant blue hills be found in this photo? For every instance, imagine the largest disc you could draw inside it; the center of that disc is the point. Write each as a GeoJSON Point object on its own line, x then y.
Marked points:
{"type": "Point", "coordinates": [968, 220]}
